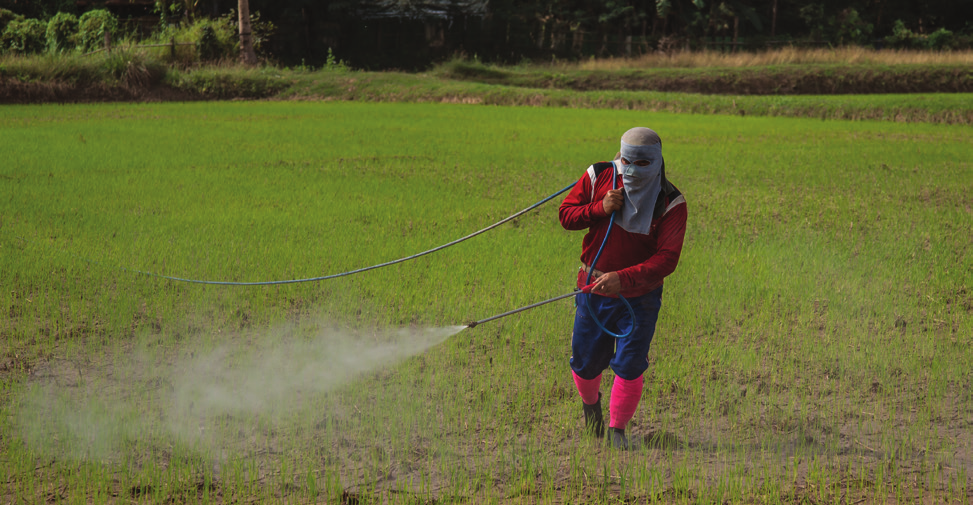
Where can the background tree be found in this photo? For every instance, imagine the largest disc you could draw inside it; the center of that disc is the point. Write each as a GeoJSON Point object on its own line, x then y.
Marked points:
{"type": "Point", "coordinates": [247, 55]}
{"type": "Point", "coordinates": [412, 34]}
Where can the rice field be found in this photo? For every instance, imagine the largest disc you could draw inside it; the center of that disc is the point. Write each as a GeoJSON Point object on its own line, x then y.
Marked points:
{"type": "Point", "coordinates": [813, 345]}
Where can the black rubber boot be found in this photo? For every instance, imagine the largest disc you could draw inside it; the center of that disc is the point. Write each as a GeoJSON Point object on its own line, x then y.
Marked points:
{"type": "Point", "coordinates": [618, 440]}
{"type": "Point", "coordinates": [594, 423]}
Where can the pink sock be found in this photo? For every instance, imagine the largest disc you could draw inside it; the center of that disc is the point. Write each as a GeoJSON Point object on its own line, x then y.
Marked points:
{"type": "Point", "coordinates": [624, 401]}
{"type": "Point", "coordinates": [587, 388]}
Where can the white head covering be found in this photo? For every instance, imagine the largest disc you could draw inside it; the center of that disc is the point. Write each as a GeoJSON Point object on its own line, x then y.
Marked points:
{"type": "Point", "coordinates": [642, 184]}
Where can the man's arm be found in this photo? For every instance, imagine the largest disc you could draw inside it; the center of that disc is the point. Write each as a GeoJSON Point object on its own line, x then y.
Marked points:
{"type": "Point", "coordinates": [578, 211]}
{"type": "Point", "coordinates": [651, 272]}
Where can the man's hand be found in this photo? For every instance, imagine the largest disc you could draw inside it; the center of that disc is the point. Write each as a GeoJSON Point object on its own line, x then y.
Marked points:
{"type": "Point", "coordinates": [613, 200]}
{"type": "Point", "coordinates": [607, 285]}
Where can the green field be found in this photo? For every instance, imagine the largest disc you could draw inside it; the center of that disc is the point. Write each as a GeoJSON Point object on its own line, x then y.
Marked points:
{"type": "Point", "coordinates": [813, 346]}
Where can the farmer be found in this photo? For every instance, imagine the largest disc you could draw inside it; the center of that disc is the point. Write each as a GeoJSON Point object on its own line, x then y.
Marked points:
{"type": "Point", "coordinates": [644, 241]}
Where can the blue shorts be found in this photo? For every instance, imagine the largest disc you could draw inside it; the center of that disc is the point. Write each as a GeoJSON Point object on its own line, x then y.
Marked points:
{"type": "Point", "coordinates": [594, 350]}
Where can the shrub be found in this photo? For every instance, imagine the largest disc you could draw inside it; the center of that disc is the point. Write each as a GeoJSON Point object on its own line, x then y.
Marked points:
{"type": "Point", "coordinates": [261, 31]}
{"type": "Point", "coordinates": [963, 40]}
{"type": "Point", "coordinates": [813, 16]}
{"type": "Point", "coordinates": [850, 28]}
{"type": "Point", "coordinates": [211, 39]}
{"type": "Point", "coordinates": [335, 65]}
{"type": "Point", "coordinates": [92, 27]}
{"type": "Point", "coordinates": [133, 69]}
{"type": "Point", "coordinates": [208, 45]}
{"type": "Point", "coordinates": [940, 39]}
{"type": "Point", "coordinates": [62, 32]}
{"type": "Point", "coordinates": [6, 17]}
{"type": "Point", "coordinates": [902, 37]}
{"type": "Point", "coordinates": [27, 36]}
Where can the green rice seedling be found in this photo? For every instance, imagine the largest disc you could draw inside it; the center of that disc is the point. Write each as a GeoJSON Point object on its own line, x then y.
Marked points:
{"type": "Point", "coordinates": [815, 330]}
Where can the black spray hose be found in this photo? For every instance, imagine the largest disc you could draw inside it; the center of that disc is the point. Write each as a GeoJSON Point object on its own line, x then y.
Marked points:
{"type": "Point", "coordinates": [373, 267]}
{"type": "Point", "coordinates": [324, 277]}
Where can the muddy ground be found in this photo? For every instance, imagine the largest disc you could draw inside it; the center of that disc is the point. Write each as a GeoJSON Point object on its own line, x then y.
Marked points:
{"type": "Point", "coordinates": [795, 454]}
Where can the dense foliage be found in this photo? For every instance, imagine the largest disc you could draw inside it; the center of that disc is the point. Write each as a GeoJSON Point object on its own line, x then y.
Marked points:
{"type": "Point", "coordinates": [24, 36]}
{"type": "Point", "coordinates": [93, 26]}
{"type": "Point", "coordinates": [6, 16]}
{"type": "Point", "coordinates": [411, 34]}
{"type": "Point", "coordinates": [190, 41]}
{"type": "Point", "coordinates": [62, 32]}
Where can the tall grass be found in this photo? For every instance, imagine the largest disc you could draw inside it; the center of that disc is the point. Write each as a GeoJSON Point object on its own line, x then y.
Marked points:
{"type": "Point", "coordinates": [773, 57]}
{"type": "Point", "coordinates": [124, 67]}
{"type": "Point", "coordinates": [141, 70]}
{"type": "Point", "coordinates": [813, 344]}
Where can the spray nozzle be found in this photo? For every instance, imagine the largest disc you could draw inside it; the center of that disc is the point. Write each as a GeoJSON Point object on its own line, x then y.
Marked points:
{"type": "Point", "coordinates": [587, 289]}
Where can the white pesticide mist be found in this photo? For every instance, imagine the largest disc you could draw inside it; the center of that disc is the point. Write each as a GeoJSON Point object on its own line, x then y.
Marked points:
{"type": "Point", "coordinates": [134, 401]}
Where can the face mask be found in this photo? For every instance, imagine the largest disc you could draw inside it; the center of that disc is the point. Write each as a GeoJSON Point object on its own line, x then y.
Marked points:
{"type": "Point", "coordinates": [642, 186]}
{"type": "Point", "coordinates": [633, 170]}
{"type": "Point", "coordinates": [652, 153]}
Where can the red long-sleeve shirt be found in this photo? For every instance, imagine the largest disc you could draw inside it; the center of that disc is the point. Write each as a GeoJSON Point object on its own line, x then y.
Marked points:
{"type": "Point", "coordinates": [641, 261]}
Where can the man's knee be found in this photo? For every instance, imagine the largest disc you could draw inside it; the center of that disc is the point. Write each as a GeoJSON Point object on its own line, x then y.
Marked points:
{"type": "Point", "coordinates": [589, 368]}
{"type": "Point", "coordinates": [630, 369]}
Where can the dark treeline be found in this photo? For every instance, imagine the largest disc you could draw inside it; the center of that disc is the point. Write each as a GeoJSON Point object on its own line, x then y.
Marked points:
{"type": "Point", "coordinates": [412, 34]}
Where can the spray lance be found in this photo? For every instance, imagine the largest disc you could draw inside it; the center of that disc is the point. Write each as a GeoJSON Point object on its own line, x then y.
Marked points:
{"type": "Point", "coordinates": [586, 289]}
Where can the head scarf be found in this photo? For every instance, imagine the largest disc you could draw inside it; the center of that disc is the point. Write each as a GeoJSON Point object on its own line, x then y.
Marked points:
{"type": "Point", "coordinates": [642, 184]}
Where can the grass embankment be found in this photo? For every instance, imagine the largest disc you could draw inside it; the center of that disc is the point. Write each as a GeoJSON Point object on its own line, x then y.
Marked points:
{"type": "Point", "coordinates": [851, 86]}
{"type": "Point", "coordinates": [128, 76]}
{"type": "Point", "coordinates": [814, 344]}
{"type": "Point", "coordinates": [808, 79]}
{"type": "Point", "coordinates": [393, 87]}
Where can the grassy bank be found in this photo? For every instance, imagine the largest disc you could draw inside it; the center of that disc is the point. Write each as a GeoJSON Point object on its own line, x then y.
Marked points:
{"type": "Point", "coordinates": [789, 79]}
{"type": "Point", "coordinates": [778, 86]}
{"type": "Point", "coordinates": [949, 108]}
{"type": "Point", "coordinates": [124, 76]}
{"type": "Point", "coordinates": [813, 345]}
